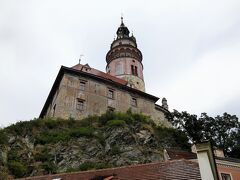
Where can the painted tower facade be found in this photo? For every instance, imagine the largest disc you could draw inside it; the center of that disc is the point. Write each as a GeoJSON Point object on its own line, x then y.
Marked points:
{"type": "Point", "coordinates": [124, 59]}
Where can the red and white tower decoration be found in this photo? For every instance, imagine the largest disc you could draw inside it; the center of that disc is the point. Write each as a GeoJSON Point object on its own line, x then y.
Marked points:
{"type": "Point", "coordinates": [124, 59]}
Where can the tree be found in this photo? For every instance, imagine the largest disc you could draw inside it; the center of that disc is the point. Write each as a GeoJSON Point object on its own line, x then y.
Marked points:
{"type": "Point", "coordinates": [223, 131]}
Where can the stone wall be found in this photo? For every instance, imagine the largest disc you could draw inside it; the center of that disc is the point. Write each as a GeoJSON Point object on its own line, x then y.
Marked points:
{"type": "Point", "coordinates": [96, 101]}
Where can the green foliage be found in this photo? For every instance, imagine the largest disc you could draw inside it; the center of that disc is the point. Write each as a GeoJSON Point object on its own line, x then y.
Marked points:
{"type": "Point", "coordinates": [90, 165]}
{"type": "Point", "coordinates": [52, 137]}
{"type": "Point", "coordinates": [13, 154]}
{"type": "Point", "coordinates": [120, 123]}
{"type": "Point", "coordinates": [223, 131]}
{"type": "Point", "coordinates": [49, 166]}
{"type": "Point", "coordinates": [45, 133]}
{"type": "Point", "coordinates": [100, 138]}
{"type": "Point", "coordinates": [87, 165]}
{"type": "Point", "coordinates": [72, 169]}
{"type": "Point", "coordinates": [3, 137]}
{"type": "Point", "coordinates": [129, 118]}
{"type": "Point", "coordinates": [170, 137]}
{"type": "Point", "coordinates": [4, 174]}
{"type": "Point", "coordinates": [43, 155]}
{"type": "Point", "coordinates": [17, 169]}
{"type": "Point", "coordinates": [82, 131]}
{"type": "Point", "coordinates": [115, 150]}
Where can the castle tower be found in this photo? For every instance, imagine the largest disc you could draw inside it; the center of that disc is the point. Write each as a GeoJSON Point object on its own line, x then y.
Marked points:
{"type": "Point", "coordinates": [124, 59]}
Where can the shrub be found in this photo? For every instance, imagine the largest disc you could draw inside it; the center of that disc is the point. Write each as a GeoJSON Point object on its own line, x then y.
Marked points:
{"type": "Point", "coordinates": [82, 131]}
{"type": "Point", "coordinates": [3, 138]}
{"type": "Point", "coordinates": [88, 122]}
{"type": "Point", "coordinates": [72, 169]}
{"type": "Point", "coordinates": [17, 169]}
{"type": "Point", "coordinates": [13, 155]}
{"type": "Point", "coordinates": [50, 167]}
{"type": "Point", "coordinates": [52, 137]}
{"type": "Point", "coordinates": [115, 150]}
{"type": "Point", "coordinates": [43, 155]}
{"type": "Point", "coordinates": [104, 118]}
{"type": "Point", "coordinates": [87, 165]}
{"type": "Point", "coordinates": [116, 123]}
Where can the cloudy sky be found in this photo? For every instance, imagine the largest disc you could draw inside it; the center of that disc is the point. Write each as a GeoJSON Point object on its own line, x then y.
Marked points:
{"type": "Point", "coordinates": [191, 49]}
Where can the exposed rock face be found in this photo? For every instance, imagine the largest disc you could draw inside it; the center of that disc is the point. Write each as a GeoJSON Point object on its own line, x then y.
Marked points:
{"type": "Point", "coordinates": [53, 146]}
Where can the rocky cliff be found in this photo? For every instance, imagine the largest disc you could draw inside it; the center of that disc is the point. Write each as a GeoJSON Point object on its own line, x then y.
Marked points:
{"type": "Point", "coordinates": [43, 146]}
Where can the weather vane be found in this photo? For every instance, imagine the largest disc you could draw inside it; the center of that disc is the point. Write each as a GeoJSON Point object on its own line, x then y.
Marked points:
{"type": "Point", "coordinates": [80, 58]}
{"type": "Point", "coordinates": [121, 17]}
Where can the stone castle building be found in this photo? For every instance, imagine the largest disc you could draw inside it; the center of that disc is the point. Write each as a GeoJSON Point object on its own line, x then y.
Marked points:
{"type": "Point", "coordinates": [81, 90]}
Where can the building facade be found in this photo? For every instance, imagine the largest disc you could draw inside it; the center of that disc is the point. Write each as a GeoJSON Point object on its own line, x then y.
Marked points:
{"type": "Point", "coordinates": [81, 90]}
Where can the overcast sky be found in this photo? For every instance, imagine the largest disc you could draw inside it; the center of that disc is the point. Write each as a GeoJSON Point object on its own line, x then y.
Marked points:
{"type": "Point", "coordinates": [191, 49]}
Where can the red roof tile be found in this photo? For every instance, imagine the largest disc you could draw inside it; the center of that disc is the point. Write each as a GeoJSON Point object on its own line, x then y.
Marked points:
{"type": "Point", "coordinates": [86, 68]}
{"type": "Point", "coordinates": [178, 169]}
{"type": "Point", "coordinates": [180, 154]}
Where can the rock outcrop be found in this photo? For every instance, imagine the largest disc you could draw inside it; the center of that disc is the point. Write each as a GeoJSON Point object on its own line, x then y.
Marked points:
{"type": "Point", "coordinates": [45, 146]}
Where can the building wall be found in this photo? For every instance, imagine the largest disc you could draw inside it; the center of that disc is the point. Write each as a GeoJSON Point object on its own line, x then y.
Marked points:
{"type": "Point", "coordinates": [233, 171]}
{"type": "Point", "coordinates": [96, 101]}
{"type": "Point", "coordinates": [121, 68]}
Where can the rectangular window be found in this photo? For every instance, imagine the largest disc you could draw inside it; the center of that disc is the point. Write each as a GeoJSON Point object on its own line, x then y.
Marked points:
{"type": "Point", "coordinates": [225, 176]}
{"type": "Point", "coordinates": [80, 105]}
{"type": "Point", "coordinates": [111, 109]}
{"type": "Point", "coordinates": [134, 102]}
{"type": "Point", "coordinates": [136, 71]}
{"type": "Point", "coordinates": [82, 85]}
{"type": "Point", "coordinates": [110, 94]}
{"type": "Point", "coordinates": [132, 69]}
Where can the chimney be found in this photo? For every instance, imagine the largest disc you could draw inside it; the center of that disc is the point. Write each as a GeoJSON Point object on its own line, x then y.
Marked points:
{"type": "Point", "coordinates": [206, 161]}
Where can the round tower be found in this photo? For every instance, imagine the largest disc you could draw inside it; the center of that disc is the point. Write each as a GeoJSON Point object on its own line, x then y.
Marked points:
{"type": "Point", "coordinates": [124, 59]}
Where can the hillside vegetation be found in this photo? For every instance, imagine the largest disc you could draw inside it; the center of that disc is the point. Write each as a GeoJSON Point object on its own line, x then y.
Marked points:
{"type": "Point", "coordinates": [43, 146]}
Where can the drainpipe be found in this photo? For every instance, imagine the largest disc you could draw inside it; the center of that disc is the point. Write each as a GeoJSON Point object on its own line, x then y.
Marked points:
{"type": "Point", "coordinates": [206, 161]}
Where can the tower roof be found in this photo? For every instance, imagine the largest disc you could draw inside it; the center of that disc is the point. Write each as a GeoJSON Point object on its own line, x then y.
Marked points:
{"type": "Point", "coordinates": [122, 31]}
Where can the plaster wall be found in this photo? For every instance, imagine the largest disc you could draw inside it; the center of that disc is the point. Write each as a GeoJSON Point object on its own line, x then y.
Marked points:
{"type": "Point", "coordinates": [96, 101]}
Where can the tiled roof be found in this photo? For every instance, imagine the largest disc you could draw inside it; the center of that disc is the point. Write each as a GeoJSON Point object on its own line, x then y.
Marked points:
{"type": "Point", "coordinates": [170, 170]}
{"type": "Point", "coordinates": [88, 69]}
{"type": "Point", "coordinates": [180, 154]}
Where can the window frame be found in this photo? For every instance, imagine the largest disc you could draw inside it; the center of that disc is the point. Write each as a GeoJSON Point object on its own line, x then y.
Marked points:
{"type": "Point", "coordinates": [110, 93]}
{"type": "Point", "coordinates": [225, 173]}
{"type": "Point", "coordinates": [134, 101]}
{"type": "Point", "coordinates": [111, 109]}
{"type": "Point", "coordinates": [82, 83]}
{"type": "Point", "coordinates": [80, 105]}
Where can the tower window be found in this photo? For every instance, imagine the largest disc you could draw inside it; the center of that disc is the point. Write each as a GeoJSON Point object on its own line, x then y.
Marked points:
{"type": "Point", "coordinates": [134, 102]}
{"type": "Point", "coordinates": [110, 94]}
{"type": "Point", "coordinates": [132, 69]}
{"type": "Point", "coordinates": [136, 71]}
{"type": "Point", "coordinates": [80, 105]}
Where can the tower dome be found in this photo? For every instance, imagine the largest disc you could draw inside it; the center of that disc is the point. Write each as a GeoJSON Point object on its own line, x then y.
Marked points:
{"type": "Point", "coordinates": [124, 59]}
{"type": "Point", "coordinates": [122, 31]}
